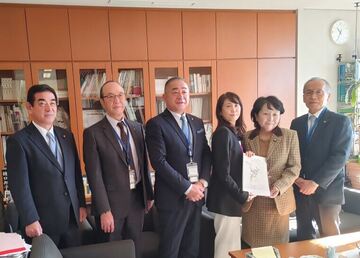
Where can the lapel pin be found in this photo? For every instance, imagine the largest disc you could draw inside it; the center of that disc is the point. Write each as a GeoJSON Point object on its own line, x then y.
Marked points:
{"type": "Point", "coordinates": [64, 136]}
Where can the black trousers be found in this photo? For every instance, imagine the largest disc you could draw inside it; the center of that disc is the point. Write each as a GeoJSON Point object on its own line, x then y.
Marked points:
{"type": "Point", "coordinates": [180, 232]}
{"type": "Point", "coordinates": [129, 227]}
{"type": "Point", "coordinates": [308, 210]}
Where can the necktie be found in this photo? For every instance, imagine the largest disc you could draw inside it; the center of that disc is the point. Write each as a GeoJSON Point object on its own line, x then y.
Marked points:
{"type": "Point", "coordinates": [185, 127]}
{"type": "Point", "coordinates": [311, 123]}
{"type": "Point", "coordinates": [54, 148]}
{"type": "Point", "coordinates": [126, 147]}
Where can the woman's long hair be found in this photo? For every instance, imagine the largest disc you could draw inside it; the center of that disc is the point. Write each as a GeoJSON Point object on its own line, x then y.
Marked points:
{"type": "Point", "coordinates": [240, 127]}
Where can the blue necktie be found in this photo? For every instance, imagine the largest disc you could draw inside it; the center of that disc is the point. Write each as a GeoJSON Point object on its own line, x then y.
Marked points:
{"type": "Point", "coordinates": [185, 127]}
{"type": "Point", "coordinates": [54, 148]}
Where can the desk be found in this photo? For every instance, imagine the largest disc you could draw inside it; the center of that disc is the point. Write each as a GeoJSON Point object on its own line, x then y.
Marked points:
{"type": "Point", "coordinates": [315, 246]}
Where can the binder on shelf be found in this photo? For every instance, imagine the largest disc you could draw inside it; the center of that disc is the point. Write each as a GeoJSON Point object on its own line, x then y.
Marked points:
{"type": "Point", "coordinates": [7, 89]}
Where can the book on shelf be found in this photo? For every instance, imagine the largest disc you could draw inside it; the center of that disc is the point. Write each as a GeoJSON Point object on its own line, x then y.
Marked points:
{"type": "Point", "coordinates": [12, 89]}
{"type": "Point", "coordinates": [90, 86]}
{"type": "Point", "coordinates": [92, 116]}
{"type": "Point", "coordinates": [135, 113]}
{"type": "Point", "coordinates": [132, 81]}
{"type": "Point", "coordinates": [160, 106]}
{"type": "Point", "coordinates": [200, 107]}
{"type": "Point", "coordinates": [13, 118]}
{"type": "Point", "coordinates": [200, 83]}
{"type": "Point", "coordinates": [159, 86]}
{"type": "Point", "coordinates": [62, 118]}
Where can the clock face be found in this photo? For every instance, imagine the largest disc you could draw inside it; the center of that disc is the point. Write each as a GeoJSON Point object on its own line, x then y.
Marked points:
{"type": "Point", "coordinates": [340, 32]}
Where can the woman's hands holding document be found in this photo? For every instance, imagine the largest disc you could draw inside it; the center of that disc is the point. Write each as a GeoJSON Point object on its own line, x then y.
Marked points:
{"type": "Point", "coordinates": [249, 154]}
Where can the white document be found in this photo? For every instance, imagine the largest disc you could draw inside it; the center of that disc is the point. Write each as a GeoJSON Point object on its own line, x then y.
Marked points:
{"type": "Point", "coordinates": [255, 176]}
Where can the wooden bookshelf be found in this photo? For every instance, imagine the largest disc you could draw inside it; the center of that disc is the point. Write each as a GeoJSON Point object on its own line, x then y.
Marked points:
{"type": "Point", "coordinates": [140, 86]}
{"type": "Point", "coordinates": [251, 53]}
{"type": "Point", "coordinates": [159, 72]}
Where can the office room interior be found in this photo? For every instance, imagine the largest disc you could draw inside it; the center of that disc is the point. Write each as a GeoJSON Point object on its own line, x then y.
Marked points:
{"type": "Point", "coordinates": [251, 47]}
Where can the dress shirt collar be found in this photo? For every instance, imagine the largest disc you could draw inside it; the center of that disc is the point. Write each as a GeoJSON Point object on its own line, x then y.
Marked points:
{"type": "Point", "coordinates": [177, 117]}
{"type": "Point", "coordinates": [317, 114]}
{"type": "Point", "coordinates": [114, 121]}
{"type": "Point", "coordinates": [44, 131]}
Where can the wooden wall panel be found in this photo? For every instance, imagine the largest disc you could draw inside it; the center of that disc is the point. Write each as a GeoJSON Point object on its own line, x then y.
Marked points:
{"type": "Point", "coordinates": [164, 35]}
{"type": "Point", "coordinates": [236, 34]}
{"type": "Point", "coordinates": [89, 32]}
{"type": "Point", "coordinates": [13, 39]}
{"type": "Point", "coordinates": [277, 77]}
{"type": "Point", "coordinates": [239, 76]}
{"type": "Point", "coordinates": [199, 35]}
{"type": "Point", "coordinates": [128, 34]}
{"type": "Point", "coordinates": [277, 34]}
{"type": "Point", "coordinates": [50, 42]}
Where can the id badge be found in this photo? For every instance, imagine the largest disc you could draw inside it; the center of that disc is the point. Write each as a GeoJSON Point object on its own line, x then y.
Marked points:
{"type": "Point", "coordinates": [192, 170]}
{"type": "Point", "coordinates": [132, 177]}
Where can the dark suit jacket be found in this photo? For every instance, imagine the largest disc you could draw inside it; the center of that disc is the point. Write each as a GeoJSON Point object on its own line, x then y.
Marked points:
{"type": "Point", "coordinates": [41, 190]}
{"type": "Point", "coordinates": [323, 158]}
{"type": "Point", "coordinates": [225, 195]}
{"type": "Point", "coordinates": [107, 170]}
{"type": "Point", "coordinates": [168, 155]}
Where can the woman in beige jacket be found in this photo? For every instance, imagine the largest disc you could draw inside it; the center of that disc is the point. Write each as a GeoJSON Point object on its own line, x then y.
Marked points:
{"type": "Point", "coordinates": [266, 219]}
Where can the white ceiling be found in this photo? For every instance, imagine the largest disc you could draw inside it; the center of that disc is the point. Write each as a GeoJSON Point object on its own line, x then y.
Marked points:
{"type": "Point", "coordinates": [205, 4]}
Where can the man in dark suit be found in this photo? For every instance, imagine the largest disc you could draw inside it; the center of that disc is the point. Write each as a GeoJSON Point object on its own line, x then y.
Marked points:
{"type": "Point", "coordinates": [44, 172]}
{"type": "Point", "coordinates": [325, 141]}
{"type": "Point", "coordinates": [117, 168]}
{"type": "Point", "coordinates": [180, 155]}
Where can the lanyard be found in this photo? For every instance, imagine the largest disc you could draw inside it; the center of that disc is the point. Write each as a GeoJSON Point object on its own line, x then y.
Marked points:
{"type": "Point", "coordinates": [126, 146]}
{"type": "Point", "coordinates": [188, 143]}
{"type": "Point", "coordinates": [309, 133]}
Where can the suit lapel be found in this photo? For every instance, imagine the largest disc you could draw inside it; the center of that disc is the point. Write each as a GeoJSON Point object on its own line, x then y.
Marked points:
{"type": "Point", "coordinates": [273, 145]}
{"type": "Point", "coordinates": [109, 133]}
{"type": "Point", "coordinates": [64, 146]}
{"type": "Point", "coordinates": [38, 140]}
{"type": "Point", "coordinates": [171, 120]}
{"type": "Point", "coordinates": [325, 119]}
{"type": "Point", "coordinates": [255, 144]}
{"type": "Point", "coordinates": [193, 131]}
{"type": "Point", "coordinates": [136, 138]}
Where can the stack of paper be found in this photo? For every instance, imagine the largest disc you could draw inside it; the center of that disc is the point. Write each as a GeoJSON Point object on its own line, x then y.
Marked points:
{"type": "Point", "coordinates": [12, 243]}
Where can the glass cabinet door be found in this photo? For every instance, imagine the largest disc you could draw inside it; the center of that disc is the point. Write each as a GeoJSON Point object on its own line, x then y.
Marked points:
{"type": "Point", "coordinates": [160, 72]}
{"type": "Point", "coordinates": [15, 78]}
{"type": "Point", "coordinates": [59, 77]}
{"type": "Point", "coordinates": [200, 76]}
{"type": "Point", "coordinates": [91, 81]}
{"type": "Point", "coordinates": [88, 78]}
{"type": "Point", "coordinates": [133, 77]}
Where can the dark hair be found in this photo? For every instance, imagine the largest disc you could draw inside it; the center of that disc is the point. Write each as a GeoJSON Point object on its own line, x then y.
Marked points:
{"type": "Point", "coordinates": [239, 124]}
{"type": "Point", "coordinates": [102, 87]}
{"type": "Point", "coordinates": [170, 80]}
{"type": "Point", "coordinates": [36, 89]}
{"type": "Point", "coordinates": [271, 102]}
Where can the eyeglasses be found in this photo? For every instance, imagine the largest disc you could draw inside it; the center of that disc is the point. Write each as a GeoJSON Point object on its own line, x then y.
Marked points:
{"type": "Point", "coordinates": [112, 97]}
{"type": "Point", "coordinates": [318, 93]}
{"type": "Point", "coordinates": [43, 103]}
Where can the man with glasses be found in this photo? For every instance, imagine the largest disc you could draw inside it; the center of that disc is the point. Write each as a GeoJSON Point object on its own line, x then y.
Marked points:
{"type": "Point", "coordinates": [325, 141]}
{"type": "Point", "coordinates": [44, 173]}
{"type": "Point", "coordinates": [117, 169]}
{"type": "Point", "coordinates": [180, 155]}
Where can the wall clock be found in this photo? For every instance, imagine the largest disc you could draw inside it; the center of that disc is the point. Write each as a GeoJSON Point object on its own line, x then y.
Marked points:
{"type": "Point", "coordinates": [340, 32]}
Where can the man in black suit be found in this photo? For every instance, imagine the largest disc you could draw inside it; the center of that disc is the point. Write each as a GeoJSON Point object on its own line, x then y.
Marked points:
{"type": "Point", "coordinates": [325, 141]}
{"type": "Point", "coordinates": [44, 172]}
{"type": "Point", "coordinates": [180, 155]}
{"type": "Point", "coordinates": [117, 168]}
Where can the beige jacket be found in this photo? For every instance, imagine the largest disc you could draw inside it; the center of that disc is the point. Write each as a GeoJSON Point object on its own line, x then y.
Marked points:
{"type": "Point", "coordinates": [284, 164]}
